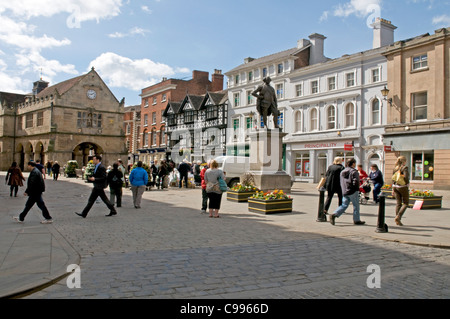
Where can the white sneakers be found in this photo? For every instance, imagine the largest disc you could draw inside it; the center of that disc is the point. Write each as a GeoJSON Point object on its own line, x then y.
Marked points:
{"type": "Point", "coordinates": [45, 221]}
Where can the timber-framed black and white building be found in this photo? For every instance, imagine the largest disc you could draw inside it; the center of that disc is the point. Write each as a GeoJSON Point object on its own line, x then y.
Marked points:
{"type": "Point", "coordinates": [197, 127]}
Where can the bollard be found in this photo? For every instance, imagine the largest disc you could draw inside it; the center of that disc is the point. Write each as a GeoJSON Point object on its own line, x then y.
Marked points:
{"type": "Point", "coordinates": [381, 225]}
{"type": "Point", "coordinates": [321, 217]}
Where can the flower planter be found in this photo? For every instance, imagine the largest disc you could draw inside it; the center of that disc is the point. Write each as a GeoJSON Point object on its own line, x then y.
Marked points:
{"type": "Point", "coordinates": [433, 202]}
{"type": "Point", "coordinates": [274, 206]}
{"type": "Point", "coordinates": [240, 197]}
{"type": "Point", "coordinates": [387, 193]}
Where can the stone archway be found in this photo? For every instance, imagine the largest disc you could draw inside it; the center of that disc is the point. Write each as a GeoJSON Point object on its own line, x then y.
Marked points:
{"type": "Point", "coordinates": [39, 153]}
{"type": "Point", "coordinates": [20, 151]}
{"type": "Point", "coordinates": [84, 152]}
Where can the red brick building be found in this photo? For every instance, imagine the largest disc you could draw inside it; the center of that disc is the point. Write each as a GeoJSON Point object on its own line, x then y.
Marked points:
{"type": "Point", "coordinates": [132, 129]}
{"type": "Point", "coordinates": [153, 139]}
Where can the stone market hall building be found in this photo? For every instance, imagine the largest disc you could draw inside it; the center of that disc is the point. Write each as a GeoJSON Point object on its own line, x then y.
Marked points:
{"type": "Point", "coordinates": [72, 120]}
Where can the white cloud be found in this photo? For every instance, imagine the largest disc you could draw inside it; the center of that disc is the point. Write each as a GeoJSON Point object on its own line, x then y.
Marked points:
{"type": "Point", "coordinates": [360, 8]}
{"type": "Point", "coordinates": [443, 20]}
{"type": "Point", "coordinates": [124, 72]}
{"type": "Point", "coordinates": [78, 10]}
{"type": "Point", "coordinates": [131, 32]}
{"type": "Point", "coordinates": [146, 9]}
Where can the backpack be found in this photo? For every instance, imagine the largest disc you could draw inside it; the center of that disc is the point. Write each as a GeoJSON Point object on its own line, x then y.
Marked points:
{"type": "Point", "coordinates": [116, 181]}
{"type": "Point", "coordinates": [398, 178]}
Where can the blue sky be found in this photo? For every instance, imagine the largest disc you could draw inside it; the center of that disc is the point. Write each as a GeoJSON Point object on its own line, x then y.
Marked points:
{"type": "Point", "coordinates": [135, 43]}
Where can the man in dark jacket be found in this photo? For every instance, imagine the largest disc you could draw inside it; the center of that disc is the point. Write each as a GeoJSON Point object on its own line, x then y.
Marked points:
{"type": "Point", "coordinates": [100, 183]}
{"type": "Point", "coordinates": [350, 192]}
{"type": "Point", "coordinates": [333, 182]}
{"type": "Point", "coordinates": [184, 169]}
{"type": "Point", "coordinates": [35, 188]}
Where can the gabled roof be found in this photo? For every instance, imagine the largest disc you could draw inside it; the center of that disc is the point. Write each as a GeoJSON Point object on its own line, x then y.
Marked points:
{"type": "Point", "coordinates": [11, 98]}
{"type": "Point", "coordinates": [217, 98]}
{"type": "Point", "coordinates": [61, 87]}
{"type": "Point", "coordinates": [195, 100]}
{"type": "Point", "coordinates": [173, 106]}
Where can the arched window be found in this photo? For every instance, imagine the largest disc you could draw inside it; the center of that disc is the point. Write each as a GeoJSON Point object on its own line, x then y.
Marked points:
{"type": "Point", "coordinates": [350, 115]}
{"type": "Point", "coordinates": [331, 117]}
{"type": "Point", "coordinates": [314, 120]}
{"type": "Point", "coordinates": [163, 136]}
{"type": "Point", "coordinates": [376, 112]}
{"type": "Point", "coordinates": [154, 136]}
{"type": "Point", "coordinates": [298, 121]}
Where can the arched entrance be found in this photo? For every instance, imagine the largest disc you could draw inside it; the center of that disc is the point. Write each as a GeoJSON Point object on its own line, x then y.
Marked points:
{"type": "Point", "coordinates": [84, 152]}
{"type": "Point", "coordinates": [20, 152]}
{"type": "Point", "coordinates": [39, 153]}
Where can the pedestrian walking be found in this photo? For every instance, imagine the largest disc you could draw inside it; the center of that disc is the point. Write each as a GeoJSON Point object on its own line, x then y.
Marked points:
{"type": "Point", "coordinates": [197, 170]}
{"type": "Point", "coordinates": [40, 167]}
{"type": "Point", "coordinates": [154, 170]}
{"type": "Point", "coordinates": [100, 183]}
{"type": "Point", "coordinates": [14, 178]}
{"type": "Point", "coordinates": [350, 191]}
{"type": "Point", "coordinates": [184, 169]}
{"type": "Point", "coordinates": [49, 166]}
{"type": "Point", "coordinates": [163, 171]}
{"type": "Point", "coordinates": [333, 182]}
{"type": "Point", "coordinates": [56, 168]}
{"type": "Point", "coordinates": [212, 176]}
{"type": "Point", "coordinates": [35, 188]}
{"type": "Point", "coordinates": [203, 184]}
{"type": "Point", "coordinates": [115, 182]}
{"type": "Point", "coordinates": [123, 170]}
{"type": "Point", "coordinates": [400, 188]}
{"type": "Point", "coordinates": [138, 180]}
{"type": "Point", "coordinates": [376, 176]}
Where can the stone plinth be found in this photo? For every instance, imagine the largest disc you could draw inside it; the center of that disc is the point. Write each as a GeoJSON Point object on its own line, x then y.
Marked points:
{"type": "Point", "coordinates": [266, 161]}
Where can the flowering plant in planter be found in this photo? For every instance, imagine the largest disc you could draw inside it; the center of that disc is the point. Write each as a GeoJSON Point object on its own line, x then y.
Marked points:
{"type": "Point", "coordinates": [419, 193]}
{"type": "Point", "coordinates": [386, 187]}
{"type": "Point", "coordinates": [275, 195]}
{"type": "Point", "coordinates": [244, 188]}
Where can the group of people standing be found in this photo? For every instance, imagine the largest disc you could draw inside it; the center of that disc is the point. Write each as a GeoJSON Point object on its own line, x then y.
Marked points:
{"type": "Point", "coordinates": [346, 183]}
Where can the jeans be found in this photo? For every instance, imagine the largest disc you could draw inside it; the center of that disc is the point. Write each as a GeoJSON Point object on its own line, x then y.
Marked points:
{"type": "Point", "coordinates": [185, 178]}
{"type": "Point", "coordinates": [376, 192]}
{"type": "Point", "coordinates": [35, 199]}
{"type": "Point", "coordinates": [354, 199]}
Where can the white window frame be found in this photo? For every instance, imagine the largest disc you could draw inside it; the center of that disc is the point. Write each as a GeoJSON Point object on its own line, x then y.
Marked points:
{"type": "Point", "coordinates": [347, 80]}
{"type": "Point", "coordinates": [329, 83]}
{"type": "Point", "coordinates": [332, 116]}
{"type": "Point", "coordinates": [421, 64]}
{"type": "Point", "coordinates": [375, 115]}
{"type": "Point", "coordinates": [314, 128]}
{"type": "Point", "coordinates": [298, 121]}
{"type": "Point", "coordinates": [415, 107]}
{"type": "Point", "coordinates": [237, 99]}
{"type": "Point", "coordinates": [375, 78]}
{"type": "Point", "coordinates": [347, 114]}
{"type": "Point", "coordinates": [315, 87]}
{"type": "Point", "coordinates": [299, 90]}
{"type": "Point", "coordinates": [280, 93]}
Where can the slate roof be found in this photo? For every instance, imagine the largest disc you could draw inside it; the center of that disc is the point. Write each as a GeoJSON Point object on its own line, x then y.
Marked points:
{"type": "Point", "coordinates": [266, 59]}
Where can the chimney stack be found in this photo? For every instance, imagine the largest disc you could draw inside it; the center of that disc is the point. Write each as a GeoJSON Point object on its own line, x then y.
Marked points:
{"type": "Point", "coordinates": [217, 81]}
{"type": "Point", "coordinates": [383, 33]}
{"type": "Point", "coordinates": [317, 49]}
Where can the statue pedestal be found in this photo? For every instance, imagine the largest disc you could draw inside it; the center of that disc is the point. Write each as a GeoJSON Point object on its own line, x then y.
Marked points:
{"type": "Point", "coordinates": [266, 160]}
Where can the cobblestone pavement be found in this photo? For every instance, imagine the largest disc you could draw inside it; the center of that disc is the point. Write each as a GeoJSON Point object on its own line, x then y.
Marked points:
{"type": "Point", "coordinates": [169, 250]}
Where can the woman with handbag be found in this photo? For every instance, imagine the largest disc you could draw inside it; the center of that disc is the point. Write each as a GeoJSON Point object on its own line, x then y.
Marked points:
{"type": "Point", "coordinates": [212, 176]}
{"type": "Point", "coordinates": [400, 188]}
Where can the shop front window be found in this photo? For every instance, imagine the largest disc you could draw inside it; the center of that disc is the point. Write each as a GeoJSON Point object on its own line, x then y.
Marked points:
{"type": "Point", "coordinates": [422, 166]}
{"type": "Point", "coordinates": [302, 165]}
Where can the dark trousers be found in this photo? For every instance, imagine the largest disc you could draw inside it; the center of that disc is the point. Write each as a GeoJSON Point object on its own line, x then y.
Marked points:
{"type": "Point", "coordinates": [330, 197]}
{"type": "Point", "coordinates": [376, 192]}
{"type": "Point", "coordinates": [185, 177]}
{"type": "Point", "coordinates": [14, 188]}
{"type": "Point", "coordinates": [94, 195]}
{"type": "Point", "coordinates": [204, 199]}
{"type": "Point", "coordinates": [115, 193]}
{"type": "Point", "coordinates": [35, 199]}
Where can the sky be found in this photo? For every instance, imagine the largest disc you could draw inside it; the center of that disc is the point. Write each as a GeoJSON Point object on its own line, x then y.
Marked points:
{"type": "Point", "coordinates": [133, 44]}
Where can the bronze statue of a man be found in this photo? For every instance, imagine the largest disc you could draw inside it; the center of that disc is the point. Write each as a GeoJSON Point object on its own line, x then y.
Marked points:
{"type": "Point", "coordinates": [267, 103]}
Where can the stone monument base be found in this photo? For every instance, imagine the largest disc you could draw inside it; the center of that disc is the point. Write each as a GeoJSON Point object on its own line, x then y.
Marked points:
{"type": "Point", "coordinates": [266, 152]}
{"type": "Point", "coordinates": [270, 182]}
